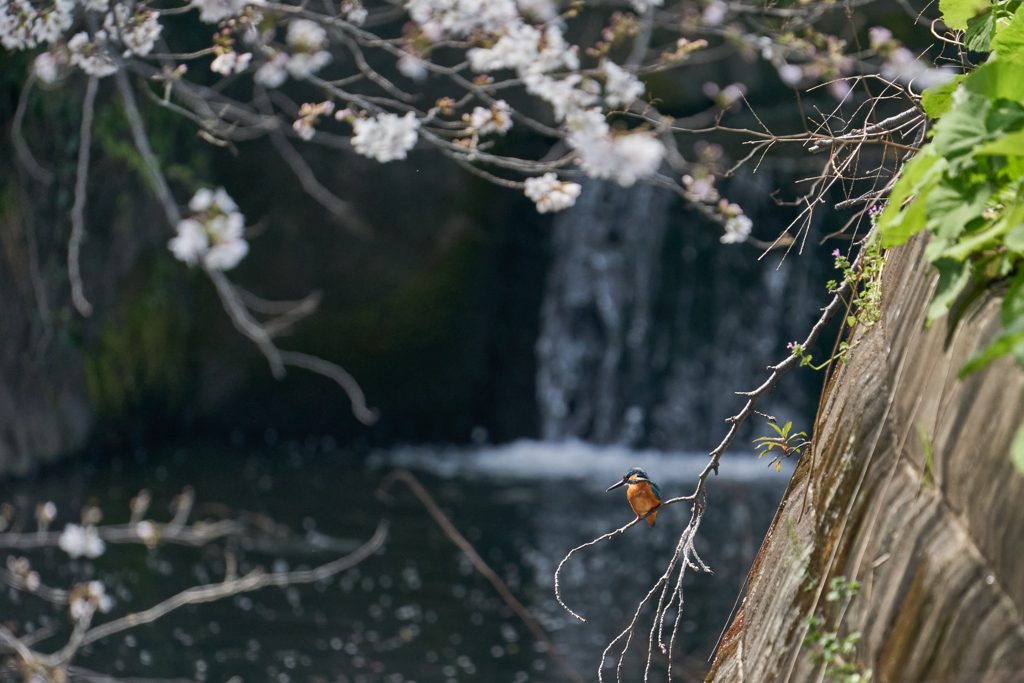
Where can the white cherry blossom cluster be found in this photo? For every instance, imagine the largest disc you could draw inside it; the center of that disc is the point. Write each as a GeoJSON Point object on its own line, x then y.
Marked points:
{"type": "Point", "coordinates": [642, 6]}
{"type": "Point", "coordinates": [354, 11]}
{"type": "Point", "coordinates": [86, 598]}
{"type": "Point", "coordinates": [20, 566]}
{"type": "Point", "coordinates": [737, 226]}
{"type": "Point", "coordinates": [81, 541]}
{"type": "Point", "coordinates": [550, 194]}
{"type": "Point", "coordinates": [535, 55]}
{"type": "Point", "coordinates": [386, 137]}
{"type": "Point", "coordinates": [701, 189]}
{"type": "Point", "coordinates": [308, 42]}
{"type": "Point", "coordinates": [23, 26]}
{"type": "Point", "coordinates": [621, 87]}
{"type": "Point", "coordinates": [496, 119]}
{"type": "Point", "coordinates": [230, 62]}
{"type": "Point", "coordinates": [216, 11]}
{"type": "Point", "coordinates": [92, 56]}
{"type": "Point", "coordinates": [737, 229]}
{"type": "Point", "coordinates": [214, 234]}
{"type": "Point", "coordinates": [412, 66]}
{"type": "Point", "coordinates": [309, 116]}
{"type": "Point", "coordinates": [458, 18]}
{"type": "Point", "coordinates": [625, 158]}
{"type": "Point", "coordinates": [138, 31]}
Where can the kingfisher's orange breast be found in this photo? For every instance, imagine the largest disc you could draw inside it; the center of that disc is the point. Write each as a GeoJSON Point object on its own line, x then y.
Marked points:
{"type": "Point", "coordinates": [642, 498]}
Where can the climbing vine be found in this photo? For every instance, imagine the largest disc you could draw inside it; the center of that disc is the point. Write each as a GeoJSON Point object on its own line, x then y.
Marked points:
{"type": "Point", "coordinates": [964, 186]}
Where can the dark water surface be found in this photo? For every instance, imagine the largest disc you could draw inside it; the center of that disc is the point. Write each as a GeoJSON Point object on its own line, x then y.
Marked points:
{"type": "Point", "coordinates": [417, 611]}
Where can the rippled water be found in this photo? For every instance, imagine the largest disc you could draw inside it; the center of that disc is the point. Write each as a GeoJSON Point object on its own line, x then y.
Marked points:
{"type": "Point", "coordinates": [417, 611]}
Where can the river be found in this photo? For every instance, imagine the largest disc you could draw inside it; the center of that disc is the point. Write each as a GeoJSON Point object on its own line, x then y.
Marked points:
{"type": "Point", "coordinates": [417, 611]}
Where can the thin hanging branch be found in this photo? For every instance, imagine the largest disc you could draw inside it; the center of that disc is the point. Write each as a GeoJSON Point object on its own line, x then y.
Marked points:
{"type": "Point", "coordinates": [78, 210]}
{"type": "Point", "coordinates": [20, 146]}
{"type": "Point", "coordinates": [407, 478]}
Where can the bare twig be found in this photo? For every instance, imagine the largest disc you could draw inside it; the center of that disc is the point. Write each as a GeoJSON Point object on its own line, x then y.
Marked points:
{"type": "Point", "coordinates": [343, 210]}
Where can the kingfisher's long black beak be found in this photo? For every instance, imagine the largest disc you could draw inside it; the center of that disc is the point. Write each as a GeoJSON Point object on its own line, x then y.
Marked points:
{"type": "Point", "coordinates": [615, 486]}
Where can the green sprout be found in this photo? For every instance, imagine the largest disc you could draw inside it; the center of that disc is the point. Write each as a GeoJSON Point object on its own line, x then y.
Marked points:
{"type": "Point", "coordinates": [786, 443]}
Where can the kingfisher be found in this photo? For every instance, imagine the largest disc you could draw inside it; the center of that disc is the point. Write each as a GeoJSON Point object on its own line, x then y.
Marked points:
{"type": "Point", "coordinates": [643, 494]}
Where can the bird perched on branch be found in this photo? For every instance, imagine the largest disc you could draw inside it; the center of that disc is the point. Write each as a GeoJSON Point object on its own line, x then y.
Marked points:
{"type": "Point", "coordinates": [643, 494]}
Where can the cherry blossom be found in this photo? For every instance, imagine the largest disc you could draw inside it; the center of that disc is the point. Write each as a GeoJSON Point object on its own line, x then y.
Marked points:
{"type": "Point", "coordinates": [216, 11]}
{"type": "Point", "coordinates": [412, 66]}
{"type": "Point", "coordinates": [625, 158]}
{"type": "Point", "coordinates": [137, 31]}
{"type": "Point", "coordinates": [49, 66]}
{"type": "Point", "coordinates": [79, 541]}
{"type": "Point", "coordinates": [231, 62]}
{"type": "Point", "coordinates": [387, 137]}
{"type": "Point", "coordinates": [737, 229]}
{"type": "Point", "coordinates": [621, 87]}
{"type": "Point", "coordinates": [550, 194]}
{"type": "Point", "coordinates": [274, 72]}
{"type": "Point", "coordinates": [214, 236]}
{"type": "Point", "coordinates": [497, 119]}
{"type": "Point", "coordinates": [458, 18]}
{"type": "Point", "coordinates": [91, 56]}
{"type": "Point", "coordinates": [309, 115]}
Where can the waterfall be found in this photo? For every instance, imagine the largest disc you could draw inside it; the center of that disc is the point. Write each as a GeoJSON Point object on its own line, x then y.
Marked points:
{"type": "Point", "coordinates": [649, 324]}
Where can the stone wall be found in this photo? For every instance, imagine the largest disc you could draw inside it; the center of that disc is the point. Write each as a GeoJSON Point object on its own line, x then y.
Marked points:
{"type": "Point", "coordinates": [937, 548]}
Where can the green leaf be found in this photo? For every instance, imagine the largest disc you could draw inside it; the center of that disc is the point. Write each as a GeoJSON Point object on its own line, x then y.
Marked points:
{"type": "Point", "coordinates": [1017, 450]}
{"type": "Point", "coordinates": [953, 277]}
{"type": "Point", "coordinates": [974, 242]}
{"type": "Point", "coordinates": [918, 175]}
{"type": "Point", "coordinates": [950, 208]}
{"type": "Point", "coordinates": [1004, 117]}
{"type": "Point", "coordinates": [1003, 344]}
{"type": "Point", "coordinates": [938, 99]}
{"type": "Point", "coordinates": [1014, 239]}
{"type": "Point", "coordinates": [1013, 302]}
{"type": "Point", "coordinates": [997, 79]}
{"type": "Point", "coordinates": [963, 126]}
{"type": "Point", "coordinates": [978, 37]}
{"type": "Point", "coordinates": [956, 13]}
{"type": "Point", "coordinates": [1008, 145]}
{"type": "Point", "coordinates": [1009, 42]}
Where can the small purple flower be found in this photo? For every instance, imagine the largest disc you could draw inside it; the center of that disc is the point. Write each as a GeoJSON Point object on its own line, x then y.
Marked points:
{"type": "Point", "coordinates": [877, 208]}
{"type": "Point", "coordinates": [791, 345]}
{"type": "Point", "coordinates": [835, 253]}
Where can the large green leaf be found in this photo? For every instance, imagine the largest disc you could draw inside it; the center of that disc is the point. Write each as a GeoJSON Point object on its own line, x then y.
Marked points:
{"type": "Point", "coordinates": [1009, 42]}
{"type": "Point", "coordinates": [950, 208]}
{"type": "Point", "coordinates": [978, 36]}
{"type": "Point", "coordinates": [1008, 145]}
{"type": "Point", "coordinates": [918, 176]}
{"type": "Point", "coordinates": [1013, 302]}
{"type": "Point", "coordinates": [953, 277]}
{"type": "Point", "coordinates": [956, 13]}
{"type": "Point", "coordinates": [977, 241]}
{"type": "Point", "coordinates": [938, 99]}
{"type": "Point", "coordinates": [998, 78]}
{"type": "Point", "coordinates": [963, 127]}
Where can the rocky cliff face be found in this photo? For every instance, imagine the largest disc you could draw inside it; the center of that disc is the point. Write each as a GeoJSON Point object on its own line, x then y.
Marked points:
{"type": "Point", "coordinates": [934, 542]}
